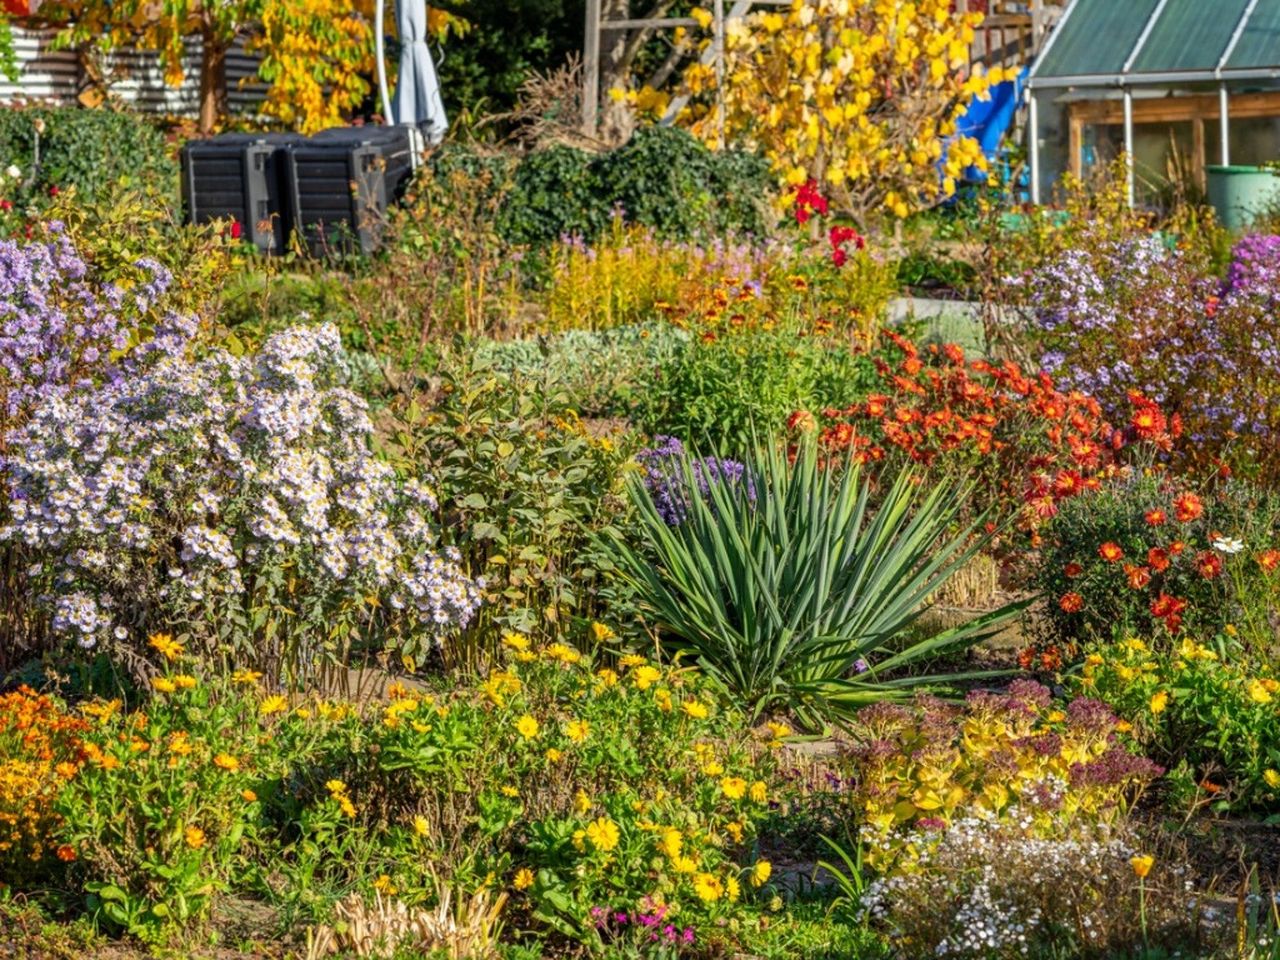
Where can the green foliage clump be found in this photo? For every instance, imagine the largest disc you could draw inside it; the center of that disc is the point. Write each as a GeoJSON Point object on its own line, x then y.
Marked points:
{"type": "Point", "coordinates": [526, 491]}
{"type": "Point", "coordinates": [662, 178]}
{"type": "Point", "coordinates": [721, 392]}
{"type": "Point", "coordinates": [92, 151]}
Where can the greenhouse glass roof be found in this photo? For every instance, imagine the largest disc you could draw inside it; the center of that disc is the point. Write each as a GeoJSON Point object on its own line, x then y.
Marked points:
{"type": "Point", "coordinates": [1147, 42]}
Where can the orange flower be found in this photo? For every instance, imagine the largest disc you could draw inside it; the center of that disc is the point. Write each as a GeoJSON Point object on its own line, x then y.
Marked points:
{"type": "Point", "coordinates": [1072, 570]}
{"type": "Point", "coordinates": [1071, 603]}
{"type": "Point", "coordinates": [1139, 577]}
{"type": "Point", "coordinates": [1111, 552]}
{"type": "Point", "coordinates": [66, 853]}
{"type": "Point", "coordinates": [1156, 518]}
{"type": "Point", "coordinates": [1268, 560]}
{"type": "Point", "coordinates": [1188, 507]}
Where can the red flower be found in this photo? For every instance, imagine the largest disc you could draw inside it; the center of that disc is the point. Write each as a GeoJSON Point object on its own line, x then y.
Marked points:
{"type": "Point", "coordinates": [1209, 564]}
{"type": "Point", "coordinates": [1156, 518]}
{"type": "Point", "coordinates": [235, 230]}
{"type": "Point", "coordinates": [1166, 606]}
{"type": "Point", "coordinates": [1158, 559]}
{"type": "Point", "coordinates": [1268, 560]}
{"type": "Point", "coordinates": [1188, 507]}
{"type": "Point", "coordinates": [801, 420]}
{"type": "Point", "coordinates": [1071, 603]}
{"type": "Point", "coordinates": [1067, 484]}
{"type": "Point", "coordinates": [838, 257]}
{"type": "Point", "coordinates": [1111, 552]}
{"type": "Point", "coordinates": [1176, 548]}
{"type": "Point", "coordinates": [1072, 570]}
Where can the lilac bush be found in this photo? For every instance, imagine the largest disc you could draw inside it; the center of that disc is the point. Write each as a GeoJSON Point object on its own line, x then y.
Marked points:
{"type": "Point", "coordinates": [666, 482]}
{"type": "Point", "coordinates": [236, 498]}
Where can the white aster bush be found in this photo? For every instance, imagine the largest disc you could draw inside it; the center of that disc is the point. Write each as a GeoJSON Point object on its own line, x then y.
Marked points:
{"type": "Point", "coordinates": [987, 887]}
{"type": "Point", "coordinates": [233, 499]}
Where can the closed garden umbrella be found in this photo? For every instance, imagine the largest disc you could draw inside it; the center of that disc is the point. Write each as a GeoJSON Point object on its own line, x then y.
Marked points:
{"type": "Point", "coordinates": [417, 100]}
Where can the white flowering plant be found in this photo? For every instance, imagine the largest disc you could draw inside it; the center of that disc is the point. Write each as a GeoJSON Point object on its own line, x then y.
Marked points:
{"type": "Point", "coordinates": [233, 500]}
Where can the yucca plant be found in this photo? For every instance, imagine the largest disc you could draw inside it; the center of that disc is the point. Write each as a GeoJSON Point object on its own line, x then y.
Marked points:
{"type": "Point", "coordinates": [795, 589]}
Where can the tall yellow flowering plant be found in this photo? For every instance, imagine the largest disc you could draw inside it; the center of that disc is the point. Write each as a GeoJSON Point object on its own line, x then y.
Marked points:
{"type": "Point", "coordinates": [861, 96]}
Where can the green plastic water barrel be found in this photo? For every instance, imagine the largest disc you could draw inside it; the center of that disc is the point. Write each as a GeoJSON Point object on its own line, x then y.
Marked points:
{"type": "Point", "coordinates": [1239, 193]}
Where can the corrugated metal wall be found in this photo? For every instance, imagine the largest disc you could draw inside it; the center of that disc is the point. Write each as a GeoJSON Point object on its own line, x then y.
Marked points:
{"type": "Point", "coordinates": [134, 76]}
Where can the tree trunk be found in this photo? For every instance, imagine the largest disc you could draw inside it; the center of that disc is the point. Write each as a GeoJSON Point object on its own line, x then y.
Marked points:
{"type": "Point", "coordinates": [616, 122]}
{"type": "Point", "coordinates": [213, 82]}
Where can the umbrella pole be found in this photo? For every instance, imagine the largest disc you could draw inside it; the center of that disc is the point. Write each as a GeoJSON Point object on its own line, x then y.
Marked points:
{"type": "Point", "coordinates": [380, 56]}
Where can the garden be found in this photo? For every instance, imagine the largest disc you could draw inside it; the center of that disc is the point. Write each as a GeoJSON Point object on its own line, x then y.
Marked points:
{"type": "Point", "coordinates": [615, 564]}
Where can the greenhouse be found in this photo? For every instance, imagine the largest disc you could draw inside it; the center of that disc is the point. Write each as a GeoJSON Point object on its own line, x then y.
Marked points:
{"type": "Point", "coordinates": [1182, 87]}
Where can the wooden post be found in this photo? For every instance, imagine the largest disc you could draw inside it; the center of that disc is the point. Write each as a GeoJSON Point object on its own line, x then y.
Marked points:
{"type": "Point", "coordinates": [719, 42]}
{"type": "Point", "coordinates": [591, 69]}
{"type": "Point", "coordinates": [1075, 141]}
{"type": "Point", "coordinates": [1197, 150]}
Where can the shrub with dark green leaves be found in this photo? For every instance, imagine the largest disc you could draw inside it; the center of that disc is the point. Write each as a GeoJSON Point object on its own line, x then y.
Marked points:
{"type": "Point", "coordinates": [662, 178]}
{"type": "Point", "coordinates": [90, 150]}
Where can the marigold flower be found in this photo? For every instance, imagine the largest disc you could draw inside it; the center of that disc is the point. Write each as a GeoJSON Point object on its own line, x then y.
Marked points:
{"type": "Point", "coordinates": [603, 834]}
{"type": "Point", "coordinates": [66, 853]}
{"type": "Point", "coordinates": [1159, 700]}
{"type": "Point", "coordinates": [644, 677]}
{"type": "Point", "coordinates": [194, 837]}
{"type": "Point", "coordinates": [527, 727]}
{"type": "Point", "coordinates": [523, 879]}
{"type": "Point", "coordinates": [708, 887]}
{"type": "Point", "coordinates": [1258, 692]}
{"type": "Point", "coordinates": [163, 684]}
{"type": "Point", "coordinates": [735, 788]}
{"type": "Point", "coordinates": [226, 761]}
{"type": "Point", "coordinates": [695, 709]}
{"type": "Point", "coordinates": [761, 872]}
{"type": "Point", "coordinates": [248, 795]}
{"type": "Point", "coordinates": [165, 645]}
{"type": "Point", "coordinates": [577, 730]}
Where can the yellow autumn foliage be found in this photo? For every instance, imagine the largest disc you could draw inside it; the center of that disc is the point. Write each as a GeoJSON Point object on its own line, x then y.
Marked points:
{"type": "Point", "coordinates": [860, 95]}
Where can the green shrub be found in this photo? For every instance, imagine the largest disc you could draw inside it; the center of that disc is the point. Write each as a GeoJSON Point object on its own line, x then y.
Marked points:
{"type": "Point", "coordinates": [92, 151]}
{"type": "Point", "coordinates": [603, 373]}
{"type": "Point", "coordinates": [666, 179]}
{"type": "Point", "coordinates": [662, 178]}
{"type": "Point", "coordinates": [526, 490]}
{"type": "Point", "coordinates": [1206, 710]}
{"type": "Point", "coordinates": [1149, 554]}
{"type": "Point", "coordinates": [720, 391]}
{"type": "Point", "coordinates": [786, 586]}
